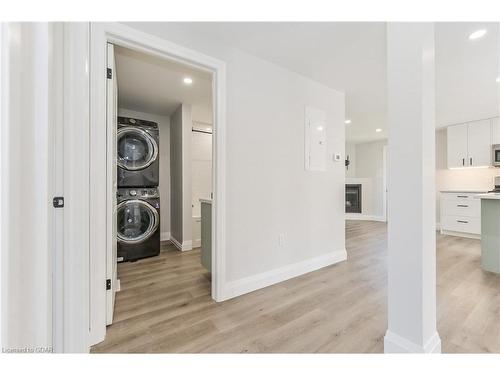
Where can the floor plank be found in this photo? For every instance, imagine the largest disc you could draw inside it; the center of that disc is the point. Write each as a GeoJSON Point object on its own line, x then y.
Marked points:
{"type": "Point", "coordinates": [165, 304]}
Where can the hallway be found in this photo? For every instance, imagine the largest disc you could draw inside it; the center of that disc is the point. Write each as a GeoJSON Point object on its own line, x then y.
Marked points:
{"type": "Point", "coordinates": [165, 304]}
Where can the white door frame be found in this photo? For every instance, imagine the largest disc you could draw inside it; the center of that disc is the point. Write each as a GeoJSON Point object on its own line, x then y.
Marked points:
{"type": "Point", "coordinates": [100, 35]}
{"type": "Point", "coordinates": [385, 174]}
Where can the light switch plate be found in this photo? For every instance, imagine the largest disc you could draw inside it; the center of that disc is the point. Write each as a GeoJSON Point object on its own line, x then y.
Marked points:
{"type": "Point", "coordinates": [336, 157]}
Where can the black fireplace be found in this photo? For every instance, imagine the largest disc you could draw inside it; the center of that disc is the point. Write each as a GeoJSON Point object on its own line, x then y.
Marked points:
{"type": "Point", "coordinates": [353, 198]}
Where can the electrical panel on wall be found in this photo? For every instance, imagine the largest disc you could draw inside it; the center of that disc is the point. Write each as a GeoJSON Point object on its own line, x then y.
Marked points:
{"type": "Point", "coordinates": [315, 139]}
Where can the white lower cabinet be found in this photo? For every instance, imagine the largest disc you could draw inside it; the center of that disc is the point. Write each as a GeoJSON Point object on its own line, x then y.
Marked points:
{"type": "Point", "coordinates": [460, 214]}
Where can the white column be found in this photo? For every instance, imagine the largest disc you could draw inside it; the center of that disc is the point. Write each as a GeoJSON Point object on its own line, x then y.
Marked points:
{"type": "Point", "coordinates": [411, 231]}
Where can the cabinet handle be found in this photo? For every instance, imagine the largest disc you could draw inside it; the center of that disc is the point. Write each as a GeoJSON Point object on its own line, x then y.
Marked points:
{"type": "Point", "coordinates": [463, 162]}
{"type": "Point", "coordinates": [462, 196]}
{"type": "Point", "coordinates": [462, 205]}
{"type": "Point", "coordinates": [462, 221]}
{"type": "Point", "coordinates": [470, 161]}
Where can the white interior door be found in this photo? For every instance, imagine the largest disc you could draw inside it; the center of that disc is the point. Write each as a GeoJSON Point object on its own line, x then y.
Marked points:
{"type": "Point", "coordinates": [112, 283]}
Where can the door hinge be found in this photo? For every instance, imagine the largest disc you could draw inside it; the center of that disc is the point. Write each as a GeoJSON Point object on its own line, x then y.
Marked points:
{"type": "Point", "coordinates": [109, 73]}
{"type": "Point", "coordinates": [108, 284]}
{"type": "Point", "coordinates": [58, 202]}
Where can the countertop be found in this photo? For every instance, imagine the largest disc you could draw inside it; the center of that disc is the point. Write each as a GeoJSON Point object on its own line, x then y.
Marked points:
{"type": "Point", "coordinates": [209, 201]}
{"type": "Point", "coordinates": [489, 196]}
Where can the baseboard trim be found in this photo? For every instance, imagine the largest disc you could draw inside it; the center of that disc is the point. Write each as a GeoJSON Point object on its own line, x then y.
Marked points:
{"type": "Point", "coordinates": [249, 284]}
{"type": "Point", "coordinates": [460, 234]}
{"type": "Point", "coordinates": [196, 243]}
{"type": "Point", "coordinates": [165, 236]}
{"type": "Point", "coordinates": [364, 217]}
{"type": "Point", "coordinates": [185, 246]}
{"type": "Point", "coordinates": [394, 343]}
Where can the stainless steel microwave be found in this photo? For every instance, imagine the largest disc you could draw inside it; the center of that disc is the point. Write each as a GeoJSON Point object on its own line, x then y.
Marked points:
{"type": "Point", "coordinates": [496, 155]}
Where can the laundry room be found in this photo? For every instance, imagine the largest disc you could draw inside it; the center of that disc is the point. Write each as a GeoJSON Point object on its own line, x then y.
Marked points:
{"type": "Point", "coordinates": [163, 189]}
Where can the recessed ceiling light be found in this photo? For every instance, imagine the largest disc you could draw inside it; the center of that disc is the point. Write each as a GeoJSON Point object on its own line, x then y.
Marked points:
{"type": "Point", "coordinates": [208, 129]}
{"type": "Point", "coordinates": [188, 80]}
{"type": "Point", "coordinates": [348, 121]}
{"type": "Point", "coordinates": [498, 79]}
{"type": "Point", "coordinates": [477, 34]}
{"type": "Point", "coordinates": [320, 128]}
{"type": "Point", "coordinates": [378, 130]}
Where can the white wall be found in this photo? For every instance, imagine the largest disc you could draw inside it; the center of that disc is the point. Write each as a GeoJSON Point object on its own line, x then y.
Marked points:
{"type": "Point", "coordinates": [180, 175]}
{"type": "Point", "coordinates": [26, 187]}
{"type": "Point", "coordinates": [201, 156]}
{"type": "Point", "coordinates": [176, 174]}
{"type": "Point", "coordinates": [369, 165]}
{"type": "Point", "coordinates": [164, 154]}
{"type": "Point", "coordinates": [350, 150]}
{"type": "Point", "coordinates": [187, 209]}
{"type": "Point", "coordinates": [457, 179]}
{"type": "Point", "coordinates": [268, 191]}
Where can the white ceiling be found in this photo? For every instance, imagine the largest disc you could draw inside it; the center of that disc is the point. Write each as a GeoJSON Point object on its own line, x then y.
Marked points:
{"type": "Point", "coordinates": [466, 72]}
{"type": "Point", "coordinates": [154, 85]}
{"type": "Point", "coordinates": [350, 56]}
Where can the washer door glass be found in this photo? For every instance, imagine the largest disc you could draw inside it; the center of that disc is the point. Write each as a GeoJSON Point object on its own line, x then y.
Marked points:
{"type": "Point", "coordinates": [137, 221]}
{"type": "Point", "coordinates": [136, 149]}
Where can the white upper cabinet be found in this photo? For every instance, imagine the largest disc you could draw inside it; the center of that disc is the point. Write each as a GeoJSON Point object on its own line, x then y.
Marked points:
{"type": "Point", "coordinates": [495, 131]}
{"type": "Point", "coordinates": [457, 146]}
{"type": "Point", "coordinates": [479, 147]}
{"type": "Point", "coordinates": [469, 145]}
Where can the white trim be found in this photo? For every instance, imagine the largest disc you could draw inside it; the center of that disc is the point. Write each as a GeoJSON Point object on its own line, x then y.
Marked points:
{"type": "Point", "coordinates": [385, 175]}
{"type": "Point", "coordinates": [122, 35]}
{"type": "Point", "coordinates": [165, 236]}
{"type": "Point", "coordinates": [196, 243]}
{"type": "Point", "coordinates": [176, 243]}
{"type": "Point", "coordinates": [185, 246]}
{"type": "Point", "coordinates": [438, 227]}
{"type": "Point", "coordinates": [351, 216]}
{"type": "Point", "coordinates": [4, 162]}
{"type": "Point", "coordinates": [255, 282]}
{"type": "Point", "coordinates": [56, 171]}
{"type": "Point", "coordinates": [394, 343]}
{"type": "Point", "coordinates": [76, 188]}
{"type": "Point", "coordinates": [461, 234]}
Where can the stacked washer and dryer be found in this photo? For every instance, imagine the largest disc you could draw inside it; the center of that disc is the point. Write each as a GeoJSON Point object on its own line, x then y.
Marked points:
{"type": "Point", "coordinates": [138, 197]}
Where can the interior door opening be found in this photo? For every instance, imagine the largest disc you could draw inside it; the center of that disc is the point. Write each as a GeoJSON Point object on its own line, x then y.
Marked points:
{"type": "Point", "coordinates": [160, 121]}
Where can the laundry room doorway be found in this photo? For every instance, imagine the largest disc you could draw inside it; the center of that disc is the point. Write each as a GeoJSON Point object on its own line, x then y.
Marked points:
{"type": "Point", "coordinates": [157, 118]}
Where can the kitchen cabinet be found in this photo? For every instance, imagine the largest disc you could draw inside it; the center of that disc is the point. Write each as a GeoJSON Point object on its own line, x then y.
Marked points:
{"type": "Point", "coordinates": [457, 145]}
{"type": "Point", "coordinates": [495, 131]}
{"type": "Point", "coordinates": [460, 214]}
{"type": "Point", "coordinates": [479, 145]}
{"type": "Point", "coordinates": [469, 145]}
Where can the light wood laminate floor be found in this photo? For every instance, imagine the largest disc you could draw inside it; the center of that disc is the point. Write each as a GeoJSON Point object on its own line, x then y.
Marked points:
{"type": "Point", "coordinates": [165, 304]}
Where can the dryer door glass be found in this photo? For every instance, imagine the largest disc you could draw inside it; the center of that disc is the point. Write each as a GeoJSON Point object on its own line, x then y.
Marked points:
{"type": "Point", "coordinates": [136, 149]}
{"type": "Point", "coordinates": [137, 221]}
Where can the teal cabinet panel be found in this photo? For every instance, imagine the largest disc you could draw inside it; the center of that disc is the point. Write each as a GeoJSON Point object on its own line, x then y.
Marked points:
{"type": "Point", "coordinates": [206, 235]}
{"type": "Point", "coordinates": [490, 235]}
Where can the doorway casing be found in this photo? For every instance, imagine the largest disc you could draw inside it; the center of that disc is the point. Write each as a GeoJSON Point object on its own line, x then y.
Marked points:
{"type": "Point", "coordinates": [118, 34]}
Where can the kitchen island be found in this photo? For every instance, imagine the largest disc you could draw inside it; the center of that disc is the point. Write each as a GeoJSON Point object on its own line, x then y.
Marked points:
{"type": "Point", "coordinates": [490, 231]}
